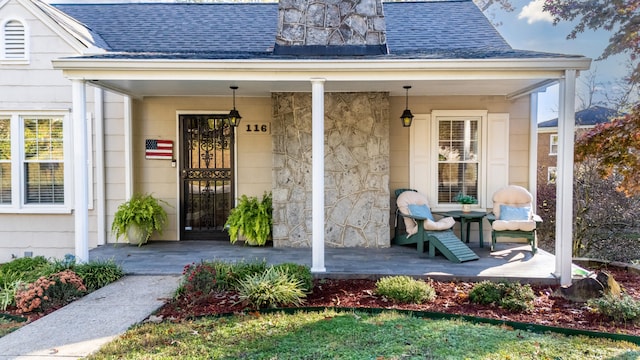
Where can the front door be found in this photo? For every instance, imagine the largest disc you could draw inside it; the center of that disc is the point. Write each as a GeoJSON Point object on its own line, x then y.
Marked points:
{"type": "Point", "coordinates": [207, 164]}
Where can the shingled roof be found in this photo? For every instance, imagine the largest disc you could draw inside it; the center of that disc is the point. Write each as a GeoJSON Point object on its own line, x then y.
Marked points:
{"type": "Point", "coordinates": [454, 29]}
{"type": "Point", "coordinates": [588, 117]}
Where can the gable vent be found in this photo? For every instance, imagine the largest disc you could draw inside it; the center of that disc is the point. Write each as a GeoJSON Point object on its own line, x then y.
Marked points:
{"type": "Point", "coordinates": [14, 40]}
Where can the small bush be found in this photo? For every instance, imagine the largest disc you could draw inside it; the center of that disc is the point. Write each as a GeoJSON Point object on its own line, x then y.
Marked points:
{"type": "Point", "coordinates": [509, 296]}
{"type": "Point", "coordinates": [27, 269]}
{"type": "Point", "coordinates": [271, 288]}
{"type": "Point", "coordinates": [405, 289]}
{"type": "Point", "coordinates": [229, 274]}
{"type": "Point", "coordinates": [96, 274]}
{"type": "Point", "coordinates": [198, 280]}
{"type": "Point", "coordinates": [49, 292]}
{"type": "Point", "coordinates": [300, 272]}
{"type": "Point", "coordinates": [620, 309]}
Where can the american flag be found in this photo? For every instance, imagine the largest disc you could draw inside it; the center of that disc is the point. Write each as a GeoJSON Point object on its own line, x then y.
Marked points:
{"type": "Point", "coordinates": [158, 149]}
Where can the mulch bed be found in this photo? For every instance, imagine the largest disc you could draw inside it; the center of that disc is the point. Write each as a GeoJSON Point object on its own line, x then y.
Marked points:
{"type": "Point", "coordinates": [452, 298]}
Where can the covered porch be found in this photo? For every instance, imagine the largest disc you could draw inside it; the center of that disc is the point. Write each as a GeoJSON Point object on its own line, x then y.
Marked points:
{"type": "Point", "coordinates": [511, 262]}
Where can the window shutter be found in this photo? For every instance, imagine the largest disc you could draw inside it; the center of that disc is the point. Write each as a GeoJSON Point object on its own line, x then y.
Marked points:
{"type": "Point", "coordinates": [14, 40]}
{"type": "Point", "coordinates": [497, 154]}
{"type": "Point", "coordinates": [419, 154]}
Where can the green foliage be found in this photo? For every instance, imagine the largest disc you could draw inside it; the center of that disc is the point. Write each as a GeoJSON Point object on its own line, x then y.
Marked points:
{"type": "Point", "coordinates": [251, 218]}
{"type": "Point", "coordinates": [509, 296]}
{"type": "Point", "coordinates": [27, 269]}
{"type": "Point", "coordinates": [8, 293]}
{"type": "Point", "coordinates": [272, 288]}
{"type": "Point", "coordinates": [50, 292]}
{"type": "Point", "coordinates": [203, 278]}
{"type": "Point", "coordinates": [142, 210]}
{"type": "Point", "coordinates": [405, 289]}
{"type": "Point", "coordinates": [621, 309]}
{"type": "Point", "coordinates": [465, 199]}
{"type": "Point", "coordinates": [300, 272]}
{"type": "Point", "coordinates": [98, 273]}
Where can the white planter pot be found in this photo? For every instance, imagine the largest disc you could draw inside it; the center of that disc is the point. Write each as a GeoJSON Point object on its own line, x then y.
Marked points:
{"type": "Point", "coordinates": [136, 235]}
{"type": "Point", "coordinates": [466, 208]}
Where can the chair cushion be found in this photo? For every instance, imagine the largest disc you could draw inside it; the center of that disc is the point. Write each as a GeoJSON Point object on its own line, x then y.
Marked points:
{"type": "Point", "coordinates": [422, 211]}
{"type": "Point", "coordinates": [442, 224]}
{"type": "Point", "coordinates": [521, 225]}
{"type": "Point", "coordinates": [514, 212]}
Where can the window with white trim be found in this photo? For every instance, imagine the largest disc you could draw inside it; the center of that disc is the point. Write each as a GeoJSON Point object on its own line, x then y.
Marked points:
{"type": "Point", "coordinates": [14, 42]}
{"type": "Point", "coordinates": [33, 154]}
{"type": "Point", "coordinates": [552, 174]}
{"type": "Point", "coordinates": [458, 156]}
{"type": "Point", "coordinates": [553, 144]}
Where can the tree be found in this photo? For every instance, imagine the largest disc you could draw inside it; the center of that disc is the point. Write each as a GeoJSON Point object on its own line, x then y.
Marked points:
{"type": "Point", "coordinates": [616, 147]}
{"type": "Point", "coordinates": [621, 17]}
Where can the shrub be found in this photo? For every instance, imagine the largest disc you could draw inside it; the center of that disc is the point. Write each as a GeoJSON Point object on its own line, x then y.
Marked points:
{"type": "Point", "coordinates": [198, 280]}
{"type": "Point", "coordinates": [27, 269]}
{"type": "Point", "coordinates": [405, 289]}
{"type": "Point", "coordinates": [300, 272]}
{"type": "Point", "coordinates": [509, 296]}
{"type": "Point", "coordinates": [621, 309]}
{"type": "Point", "coordinates": [229, 274]}
{"type": "Point", "coordinates": [49, 292]}
{"type": "Point", "coordinates": [98, 273]}
{"type": "Point", "coordinates": [271, 288]}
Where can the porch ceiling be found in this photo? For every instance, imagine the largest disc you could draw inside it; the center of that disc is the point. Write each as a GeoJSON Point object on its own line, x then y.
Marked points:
{"type": "Point", "coordinates": [144, 88]}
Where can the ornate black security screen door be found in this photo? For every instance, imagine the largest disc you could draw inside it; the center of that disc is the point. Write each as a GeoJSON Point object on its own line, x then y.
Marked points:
{"type": "Point", "coordinates": [206, 176]}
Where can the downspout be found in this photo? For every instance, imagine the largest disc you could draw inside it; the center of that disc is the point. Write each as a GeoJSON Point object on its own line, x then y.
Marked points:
{"type": "Point", "coordinates": [564, 179]}
{"type": "Point", "coordinates": [317, 164]}
{"type": "Point", "coordinates": [100, 179]}
{"type": "Point", "coordinates": [80, 171]}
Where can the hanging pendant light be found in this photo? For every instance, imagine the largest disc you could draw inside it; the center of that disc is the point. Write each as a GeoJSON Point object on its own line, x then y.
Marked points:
{"type": "Point", "coordinates": [234, 115]}
{"type": "Point", "coordinates": [407, 116]}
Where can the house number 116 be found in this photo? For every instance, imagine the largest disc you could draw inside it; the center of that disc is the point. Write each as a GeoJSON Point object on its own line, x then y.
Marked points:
{"type": "Point", "coordinates": [257, 128]}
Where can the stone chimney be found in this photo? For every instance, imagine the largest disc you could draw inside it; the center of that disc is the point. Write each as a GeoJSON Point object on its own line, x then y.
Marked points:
{"type": "Point", "coordinates": [330, 28]}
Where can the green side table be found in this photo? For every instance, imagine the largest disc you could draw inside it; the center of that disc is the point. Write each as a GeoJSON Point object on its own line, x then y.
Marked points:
{"type": "Point", "coordinates": [466, 218]}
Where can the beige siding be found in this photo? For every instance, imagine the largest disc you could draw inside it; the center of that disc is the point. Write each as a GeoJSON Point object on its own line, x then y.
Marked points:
{"type": "Point", "coordinates": [37, 86]}
{"type": "Point", "coordinates": [518, 128]}
{"type": "Point", "coordinates": [157, 117]}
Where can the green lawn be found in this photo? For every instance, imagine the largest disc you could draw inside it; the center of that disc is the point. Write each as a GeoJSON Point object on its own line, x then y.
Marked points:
{"type": "Point", "coordinates": [351, 335]}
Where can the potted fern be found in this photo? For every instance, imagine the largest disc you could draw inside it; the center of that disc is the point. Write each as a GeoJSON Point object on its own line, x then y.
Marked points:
{"type": "Point", "coordinates": [251, 219]}
{"type": "Point", "coordinates": [137, 219]}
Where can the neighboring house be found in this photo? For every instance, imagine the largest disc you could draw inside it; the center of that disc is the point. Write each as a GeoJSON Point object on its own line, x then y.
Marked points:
{"type": "Point", "coordinates": [320, 91]}
{"type": "Point", "coordinates": [548, 138]}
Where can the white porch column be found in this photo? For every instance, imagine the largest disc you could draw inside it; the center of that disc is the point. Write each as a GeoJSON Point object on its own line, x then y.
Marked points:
{"type": "Point", "coordinates": [100, 176]}
{"type": "Point", "coordinates": [128, 149]}
{"type": "Point", "coordinates": [317, 133]}
{"type": "Point", "coordinates": [80, 170]}
{"type": "Point", "coordinates": [564, 180]}
{"type": "Point", "coordinates": [533, 148]}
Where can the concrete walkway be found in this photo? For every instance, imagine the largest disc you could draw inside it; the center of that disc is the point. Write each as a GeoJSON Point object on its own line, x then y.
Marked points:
{"type": "Point", "coordinates": [83, 326]}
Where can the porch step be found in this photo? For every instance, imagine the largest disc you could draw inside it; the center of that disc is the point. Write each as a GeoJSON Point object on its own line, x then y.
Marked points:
{"type": "Point", "coordinates": [450, 246]}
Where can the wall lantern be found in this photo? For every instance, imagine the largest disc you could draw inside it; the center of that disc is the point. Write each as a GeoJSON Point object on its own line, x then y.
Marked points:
{"type": "Point", "coordinates": [407, 116]}
{"type": "Point", "coordinates": [234, 115]}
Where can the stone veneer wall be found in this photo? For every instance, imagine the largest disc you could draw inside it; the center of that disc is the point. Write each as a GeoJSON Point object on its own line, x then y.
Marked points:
{"type": "Point", "coordinates": [356, 170]}
{"type": "Point", "coordinates": [330, 22]}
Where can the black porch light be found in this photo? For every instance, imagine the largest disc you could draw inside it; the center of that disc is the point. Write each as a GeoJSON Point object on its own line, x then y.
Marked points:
{"type": "Point", "coordinates": [234, 115]}
{"type": "Point", "coordinates": [407, 116]}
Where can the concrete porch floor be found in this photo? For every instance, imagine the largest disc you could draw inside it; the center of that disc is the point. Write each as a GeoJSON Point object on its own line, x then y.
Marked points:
{"type": "Point", "coordinates": [509, 261]}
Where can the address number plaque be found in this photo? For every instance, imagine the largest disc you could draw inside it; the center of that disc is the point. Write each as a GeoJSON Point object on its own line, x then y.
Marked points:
{"type": "Point", "coordinates": [256, 128]}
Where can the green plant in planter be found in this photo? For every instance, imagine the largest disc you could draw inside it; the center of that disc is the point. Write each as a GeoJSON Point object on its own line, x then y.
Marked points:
{"type": "Point", "coordinates": [143, 213]}
{"type": "Point", "coordinates": [465, 199]}
{"type": "Point", "coordinates": [251, 218]}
